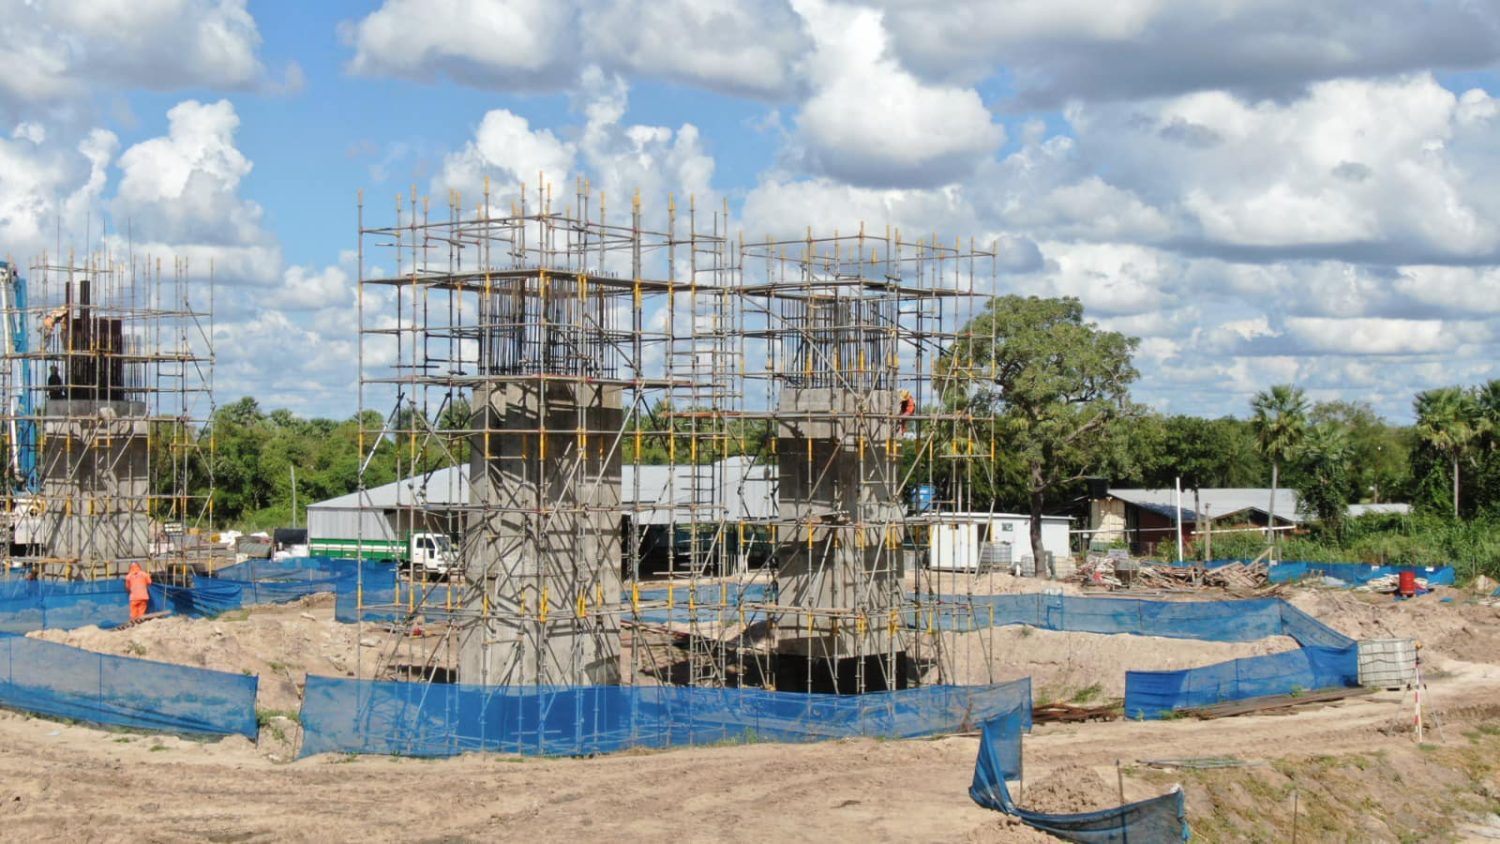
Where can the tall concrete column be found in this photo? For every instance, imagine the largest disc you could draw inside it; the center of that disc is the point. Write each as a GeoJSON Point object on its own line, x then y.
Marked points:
{"type": "Point", "coordinates": [838, 499]}
{"type": "Point", "coordinates": [94, 483]}
{"type": "Point", "coordinates": [542, 549]}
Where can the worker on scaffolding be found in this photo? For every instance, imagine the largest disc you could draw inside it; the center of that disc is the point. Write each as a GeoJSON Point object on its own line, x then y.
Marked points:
{"type": "Point", "coordinates": [55, 389]}
{"type": "Point", "coordinates": [907, 408]}
{"type": "Point", "coordinates": [138, 584]}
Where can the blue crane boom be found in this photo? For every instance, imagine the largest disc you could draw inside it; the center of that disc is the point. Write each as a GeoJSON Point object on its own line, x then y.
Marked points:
{"type": "Point", "coordinates": [18, 345]}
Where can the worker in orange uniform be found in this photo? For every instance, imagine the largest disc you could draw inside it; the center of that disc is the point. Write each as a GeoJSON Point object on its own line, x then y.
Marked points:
{"type": "Point", "coordinates": [907, 407]}
{"type": "Point", "coordinates": [138, 583]}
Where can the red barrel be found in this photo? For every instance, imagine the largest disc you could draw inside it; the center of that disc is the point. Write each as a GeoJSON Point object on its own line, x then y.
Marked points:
{"type": "Point", "coordinates": [1406, 583]}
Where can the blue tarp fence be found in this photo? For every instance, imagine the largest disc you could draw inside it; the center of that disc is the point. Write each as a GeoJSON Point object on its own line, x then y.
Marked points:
{"type": "Point", "coordinates": [282, 581]}
{"type": "Point", "coordinates": [383, 597]}
{"type": "Point", "coordinates": [1357, 574]}
{"type": "Point", "coordinates": [1352, 574]}
{"type": "Point", "coordinates": [67, 682]}
{"type": "Point", "coordinates": [700, 604]}
{"type": "Point", "coordinates": [1214, 621]}
{"type": "Point", "coordinates": [415, 719]}
{"type": "Point", "coordinates": [1154, 694]}
{"type": "Point", "coordinates": [1326, 659]}
{"type": "Point", "coordinates": [27, 605]}
{"type": "Point", "coordinates": [1158, 819]}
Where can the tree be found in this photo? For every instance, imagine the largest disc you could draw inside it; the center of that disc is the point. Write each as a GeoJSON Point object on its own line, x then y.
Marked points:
{"type": "Point", "coordinates": [1379, 452]}
{"type": "Point", "coordinates": [1448, 422]}
{"type": "Point", "coordinates": [1279, 419]}
{"type": "Point", "coordinates": [1049, 386]}
{"type": "Point", "coordinates": [1325, 480]}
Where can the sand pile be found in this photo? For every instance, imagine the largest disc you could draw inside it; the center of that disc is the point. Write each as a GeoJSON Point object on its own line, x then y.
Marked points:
{"type": "Point", "coordinates": [281, 644]}
{"type": "Point", "coordinates": [1062, 663]}
{"type": "Point", "coordinates": [1460, 629]}
{"type": "Point", "coordinates": [1069, 791]}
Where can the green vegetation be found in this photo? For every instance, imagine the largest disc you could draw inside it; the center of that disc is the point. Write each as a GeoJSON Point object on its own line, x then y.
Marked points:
{"type": "Point", "coordinates": [1087, 693]}
{"type": "Point", "coordinates": [271, 720]}
{"type": "Point", "coordinates": [1051, 389]}
{"type": "Point", "coordinates": [1279, 419]}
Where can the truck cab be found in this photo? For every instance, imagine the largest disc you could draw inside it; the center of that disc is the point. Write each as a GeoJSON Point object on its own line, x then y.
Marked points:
{"type": "Point", "coordinates": [431, 553]}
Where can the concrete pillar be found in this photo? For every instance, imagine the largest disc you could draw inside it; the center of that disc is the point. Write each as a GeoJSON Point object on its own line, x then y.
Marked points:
{"type": "Point", "coordinates": [94, 482]}
{"type": "Point", "coordinates": [838, 499]}
{"type": "Point", "coordinates": [542, 547]}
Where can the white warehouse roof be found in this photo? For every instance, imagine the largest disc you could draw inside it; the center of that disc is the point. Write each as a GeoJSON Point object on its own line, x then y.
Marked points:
{"type": "Point", "coordinates": [1217, 503]}
{"type": "Point", "coordinates": [736, 484]}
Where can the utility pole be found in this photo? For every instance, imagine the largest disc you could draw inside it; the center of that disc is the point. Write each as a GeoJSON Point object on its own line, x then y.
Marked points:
{"type": "Point", "coordinates": [1179, 520]}
{"type": "Point", "coordinates": [1208, 534]}
{"type": "Point", "coordinates": [294, 495]}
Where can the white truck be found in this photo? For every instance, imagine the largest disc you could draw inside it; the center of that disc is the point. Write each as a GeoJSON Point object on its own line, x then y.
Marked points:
{"type": "Point", "coordinates": [430, 553]}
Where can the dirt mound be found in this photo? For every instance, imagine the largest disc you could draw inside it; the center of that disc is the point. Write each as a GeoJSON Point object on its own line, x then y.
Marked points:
{"type": "Point", "coordinates": [1070, 790]}
{"type": "Point", "coordinates": [280, 644]}
{"type": "Point", "coordinates": [1087, 665]}
{"type": "Point", "coordinates": [1006, 830]}
{"type": "Point", "coordinates": [1458, 628]}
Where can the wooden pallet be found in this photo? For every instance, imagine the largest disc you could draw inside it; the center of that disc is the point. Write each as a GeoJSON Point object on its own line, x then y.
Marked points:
{"type": "Point", "coordinates": [1275, 704]}
{"type": "Point", "coordinates": [1067, 713]}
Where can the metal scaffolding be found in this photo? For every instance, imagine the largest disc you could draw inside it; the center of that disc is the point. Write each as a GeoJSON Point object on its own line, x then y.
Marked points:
{"type": "Point", "coordinates": [691, 457]}
{"type": "Point", "coordinates": [107, 377]}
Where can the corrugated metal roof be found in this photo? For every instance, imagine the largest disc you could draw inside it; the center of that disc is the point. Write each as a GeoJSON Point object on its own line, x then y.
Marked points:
{"type": "Point", "coordinates": [1367, 509]}
{"type": "Point", "coordinates": [736, 486]}
{"type": "Point", "coordinates": [444, 487]}
{"type": "Point", "coordinates": [1218, 503]}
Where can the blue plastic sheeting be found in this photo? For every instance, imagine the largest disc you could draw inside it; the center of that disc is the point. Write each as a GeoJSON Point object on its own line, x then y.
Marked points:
{"type": "Point", "coordinates": [66, 682]}
{"type": "Point", "coordinates": [27, 605]}
{"type": "Point", "coordinates": [1214, 621]}
{"type": "Point", "coordinates": [687, 603]}
{"type": "Point", "coordinates": [1155, 820]}
{"type": "Point", "coordinates": [282, 581]}
{"type": "Point", "coordinates": [1152, 694]}
{"type": "Point", "coordinates": [1357, 574]}
{"type": "Point", "coordinates": [379, 592]}
{"type": "Point", "coordinates": [206, 599]}
{"type": "Point", "coordinates": [420, 719]}
{"type": "Point", "coordinates": [1353, 574]}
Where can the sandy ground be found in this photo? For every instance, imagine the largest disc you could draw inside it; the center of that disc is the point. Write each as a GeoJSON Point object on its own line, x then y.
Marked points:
{"type": "Point", "coordinates": [280, 643]}
{"type": "Point", "coordinates": [1063, 664]}
{"type": "Point", "coordinates": [66, 781]}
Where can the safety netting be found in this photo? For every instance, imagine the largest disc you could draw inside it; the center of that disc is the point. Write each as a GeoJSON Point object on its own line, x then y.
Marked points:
{"type": "Point", "coordinates": [283, 581]}
{"type": "Point", "coordinates": [1155, 694]}
{"type": "Point", "coordinates": [27, 605]}
{"type": "Point", "coordinates": [381, 595]}
{"type": "Point", "coordinates": [1326, 659]}
{"type": "Point", "coordinates": [1157, 819]}
{"type": "Point", "coordinates": [66, 682]}
{"type": "Point", "coordinates": [1214, 621]}
{"type": "Point", "coordinates": [699, 604]}
{"type": "Point", "coordinates": [1334, 574]}
{"type": "Point", "coordinates": [1356, 574]}
{"type": "Point", "coordinates": [422, 719]}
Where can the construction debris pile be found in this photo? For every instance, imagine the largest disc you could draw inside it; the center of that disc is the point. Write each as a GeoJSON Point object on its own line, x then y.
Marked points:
{"type": "Point", "coordinates": [1116, 570]}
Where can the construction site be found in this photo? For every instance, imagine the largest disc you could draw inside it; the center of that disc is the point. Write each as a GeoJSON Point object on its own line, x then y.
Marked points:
{"type": "Point", "coordinates": [670, 507]}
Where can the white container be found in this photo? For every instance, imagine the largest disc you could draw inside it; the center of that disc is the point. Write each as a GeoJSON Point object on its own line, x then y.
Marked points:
{"type": "Point", "coordinates": [1387, 663]}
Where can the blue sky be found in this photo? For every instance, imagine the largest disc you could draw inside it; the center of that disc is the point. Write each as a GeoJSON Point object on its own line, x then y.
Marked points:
{"type": "Point", "coordinates": [1262, 192]}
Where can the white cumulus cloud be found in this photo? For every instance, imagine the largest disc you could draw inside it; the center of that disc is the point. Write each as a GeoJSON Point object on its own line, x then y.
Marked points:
{"type": "Point", "coordinates": [67, 48]}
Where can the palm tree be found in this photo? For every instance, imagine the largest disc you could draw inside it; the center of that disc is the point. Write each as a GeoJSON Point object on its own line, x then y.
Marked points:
{"type": "Point", "coordinates": [1279, 419]}
{"type": "Point", "coordinates": [1448, 422]}
{"type": "Point", "coordinates": [1324, 458]}
{"type": "Point", "coordinates": [1487, 411]}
